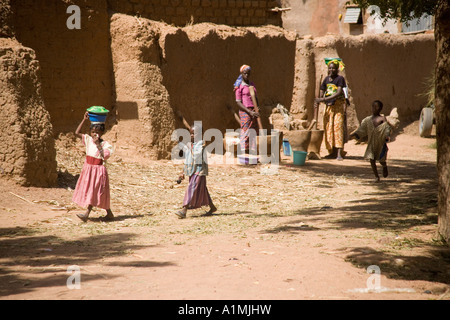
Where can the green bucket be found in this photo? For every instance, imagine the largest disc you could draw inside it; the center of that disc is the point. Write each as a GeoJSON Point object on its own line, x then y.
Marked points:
{"type": "Point", "coordinates": [97, 114]}
{"type": "Point", "coordinates": [299, 157]}
{"type": "Point", "coordinates": [97, 110]}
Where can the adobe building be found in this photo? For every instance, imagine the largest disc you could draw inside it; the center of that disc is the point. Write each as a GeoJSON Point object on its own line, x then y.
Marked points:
{"type": "Point", "coordinates": [148, 60]}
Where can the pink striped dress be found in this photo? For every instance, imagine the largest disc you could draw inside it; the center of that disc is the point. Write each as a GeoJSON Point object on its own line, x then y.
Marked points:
{"type": "Point", "coordinates": [93, 184]}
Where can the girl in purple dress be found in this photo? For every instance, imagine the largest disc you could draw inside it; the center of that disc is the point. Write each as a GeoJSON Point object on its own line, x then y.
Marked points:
{"type": "Point", "coordinates": [196, 168]}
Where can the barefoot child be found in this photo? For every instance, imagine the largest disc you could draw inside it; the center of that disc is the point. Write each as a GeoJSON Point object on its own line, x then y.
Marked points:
{"type": "Point", "coordinates": [196, 168]}
{"type": "Point", "coordinates": [378, 130]}
{"type": "Point", "coordinates": [92, 188]}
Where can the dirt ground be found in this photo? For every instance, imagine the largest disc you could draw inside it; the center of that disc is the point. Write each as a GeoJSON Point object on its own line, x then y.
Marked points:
{"type": "Point", "coordinates": [300, 233]}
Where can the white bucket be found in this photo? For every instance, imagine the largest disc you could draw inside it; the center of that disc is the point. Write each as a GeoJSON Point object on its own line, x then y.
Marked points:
{"type": "Point", "coordinates": [231, 141]}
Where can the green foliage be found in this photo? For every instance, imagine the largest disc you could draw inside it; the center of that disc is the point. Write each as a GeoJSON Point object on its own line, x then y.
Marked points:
{"type": "Point", "coordinates": [404, 10]}
{"type": "Point", "coordinates": [430, 89]}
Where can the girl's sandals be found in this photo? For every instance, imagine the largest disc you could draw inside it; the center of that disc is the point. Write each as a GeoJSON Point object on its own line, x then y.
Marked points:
{"type": "Point", "coordinates": [180, 214]}
{"type": "Point", "coordinates": [83, 217]}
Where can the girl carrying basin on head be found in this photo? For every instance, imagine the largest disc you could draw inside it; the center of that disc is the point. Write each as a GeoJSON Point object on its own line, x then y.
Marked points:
{"type": "Point", "coordinates": [92, 189]}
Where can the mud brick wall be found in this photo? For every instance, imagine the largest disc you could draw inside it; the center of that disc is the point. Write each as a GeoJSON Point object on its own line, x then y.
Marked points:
{"type": "Point", "coordinates": [142, 101]}
{"type": "Point", "coordinates": [161, 70]}
{"type": "Point", "coordinates": [379, 67]}
{"type": "Point", "coordinates": [27, 148]}
{"type": "Point", "coordinates": [6, 26]}
{"type": "Point", "coordinates": [76, 63]}
{"type": "Point", "coordinates": [183, 12]}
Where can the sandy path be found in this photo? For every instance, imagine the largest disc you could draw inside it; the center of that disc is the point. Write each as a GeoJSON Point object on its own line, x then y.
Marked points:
{"type": "Point", "coordinates": [305, 233]}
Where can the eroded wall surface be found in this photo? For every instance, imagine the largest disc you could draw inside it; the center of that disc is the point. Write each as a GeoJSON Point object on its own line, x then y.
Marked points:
{"type": "Point", "coordinates": [76, 63]}
{"type": "Point", "coordinates": [145, 71]}
{"type": "Point", "coordinates": [27, 148]}
{"type": "Point", "coordinates": [145, 118]}
{"type": "Point", "coordinates": [387, 67]}
{"type": "Point", "coordinates": [161, 70]}
{"type": "Point", "coordinates": [202, 62]}
{"type": "Point", "coordinates": [391, 68]}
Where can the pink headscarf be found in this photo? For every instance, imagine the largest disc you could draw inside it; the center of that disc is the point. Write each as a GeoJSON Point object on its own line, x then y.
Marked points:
{"type": "Point", "coordinates": [238, 81]}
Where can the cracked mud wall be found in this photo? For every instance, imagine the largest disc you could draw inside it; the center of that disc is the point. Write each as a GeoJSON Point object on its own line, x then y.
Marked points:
{"type": "Point", "coordinates": [6, 25]}
{"type": "Point", "coordinates": [145, 70]}
{"type": "Point", "coordinates": [76, 67]}
{"type": "Point", "coordinates": [160, 70]}
{"type": "Point", "coordinates": [202, 62]}
{"type": "Point", "coordinates": [145, 118]}
{"type": "Point", "coordinates": [390, 68]}
{"type": "Point", "coordinates": [27, 147]}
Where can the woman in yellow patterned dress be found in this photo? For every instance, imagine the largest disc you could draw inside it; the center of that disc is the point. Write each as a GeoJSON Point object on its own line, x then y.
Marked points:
{"type": "Point", "coordinates": [332, 94]}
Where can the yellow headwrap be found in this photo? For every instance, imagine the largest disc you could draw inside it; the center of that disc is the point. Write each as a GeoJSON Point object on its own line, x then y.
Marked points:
{"type": "Point", "coordinates": [340, 64]}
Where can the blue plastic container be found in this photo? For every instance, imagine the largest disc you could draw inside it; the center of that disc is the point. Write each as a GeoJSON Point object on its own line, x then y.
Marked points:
{"type": "Point", "coordinates": [93, 117]}
{"type": "Point", "coordinates": [97, 114]}
{"type": "Point", "coordinates": [286, 147]}
{"type": "Point", "coordinates": [300, 157]}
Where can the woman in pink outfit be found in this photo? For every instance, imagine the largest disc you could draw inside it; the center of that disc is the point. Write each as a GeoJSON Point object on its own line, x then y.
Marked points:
{"type": "Point", "coordinates": [92, 188]}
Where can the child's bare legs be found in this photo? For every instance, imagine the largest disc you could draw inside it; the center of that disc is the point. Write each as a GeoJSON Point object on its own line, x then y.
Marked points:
{"type": "Point", "coordinates": [212, 209]}
{"type": "Point", "coordinates": [374, 169]}
{"type": "Point", "coordinates": [385, 169]}
{"type": "Point", "coordinates": [109, 216]}
{"type": "Point", "coordinates": [85, 216]}
{"type": "Point", "coordinates": [182, 213]}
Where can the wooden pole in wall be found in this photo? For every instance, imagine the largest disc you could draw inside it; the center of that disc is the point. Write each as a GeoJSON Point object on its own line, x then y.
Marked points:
{"type": "Point", "coordinates": [252, 93]}
{"type": "Point", "coordinates": [316, 110]}
{"type": "Point", "coordinates": [180, 116]}
{"type": "Point", "coordinates": [236, 116]}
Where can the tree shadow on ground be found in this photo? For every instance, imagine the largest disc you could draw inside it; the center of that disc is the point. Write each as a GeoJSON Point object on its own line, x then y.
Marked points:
{"type": "Point", "coordinates": [390, 206]}
{"type": "Point", "coordinates": [405, 200]}
{"type": "Point", "coordinates": [291, 228]}
{"type": "Point", "coordinates": [399, 170]}
{"type": "Point", "coordinates": [117, 218]}
{"type": "Point", "coordinates": [51, 256]}
{"type": "Point", "coordinates": [433, 266]}
{"type": "Point", "coordinates": [391, 213]}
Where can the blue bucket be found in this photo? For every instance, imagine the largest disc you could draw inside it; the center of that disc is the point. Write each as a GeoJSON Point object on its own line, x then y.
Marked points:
{"type": "Point", "coordinates": [300, 157]}
{"type": "Point", "coordinates": [94, 117]}
{"type": "Point", "coordinates": [286, 147]}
